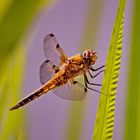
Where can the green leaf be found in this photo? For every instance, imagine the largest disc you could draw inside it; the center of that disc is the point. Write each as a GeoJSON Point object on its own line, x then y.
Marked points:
{"type": "Point", "coordinates": [132, 118]}
{"type": "Point", "coordinates": [105, 115]}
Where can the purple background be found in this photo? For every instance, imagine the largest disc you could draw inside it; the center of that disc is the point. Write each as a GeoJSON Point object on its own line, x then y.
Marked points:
{"type": "Point", "coordinates": [48, 115]}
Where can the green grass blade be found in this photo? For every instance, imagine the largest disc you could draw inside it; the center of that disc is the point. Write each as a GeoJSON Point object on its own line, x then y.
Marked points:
{"type": "Point", "coordinates": [132, 118]}
{"type": "Point", "coordinates": [105, 115]}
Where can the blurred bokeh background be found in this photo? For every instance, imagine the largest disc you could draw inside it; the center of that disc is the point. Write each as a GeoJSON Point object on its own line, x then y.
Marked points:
{"type": "Point", "coordinates": [78, 25]}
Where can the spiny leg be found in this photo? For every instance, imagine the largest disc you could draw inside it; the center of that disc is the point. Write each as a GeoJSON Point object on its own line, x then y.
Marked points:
{"type": "Point", "coordinates": [86, 85]}
{"type": "Point", "coordinates": [95, 74]}
{"type": "Point", "coordinates": [87, 81]}
{"type": "Point", "coordinates": [91, 68]}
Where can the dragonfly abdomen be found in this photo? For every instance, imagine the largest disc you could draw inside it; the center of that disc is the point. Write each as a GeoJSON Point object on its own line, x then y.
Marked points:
{"type": "Point", "coordinates": [44, 89]}
{"type": "Point", "coordinates": [28, 99]}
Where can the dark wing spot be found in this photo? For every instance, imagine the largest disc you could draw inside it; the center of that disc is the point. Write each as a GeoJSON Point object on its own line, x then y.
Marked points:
{"type": "Point", "coordinates": [52, 35]}
{"type": "Point", "coordinates": [57, 46]}
{"type": "Point", "coordinates": [47, 61]}
{"type": "Point", "coordinates": [56, 70]}
{"type": "Point", "coordinates": [85, 89]}
{"type": "Point", "coordinates": [53, 66]}
{"type": "Point", "coordinates": [74, 82]}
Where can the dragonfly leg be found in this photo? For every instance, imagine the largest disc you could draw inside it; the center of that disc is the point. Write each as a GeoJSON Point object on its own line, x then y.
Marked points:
{"type": "Point", "coordinates": [91, 68]}
{"type": "Point", "coordinates": [87, 81]}
{"type": "Point", "coordinates": [87, 87]}
{"type": "Point", "coordinates": [95, 74]}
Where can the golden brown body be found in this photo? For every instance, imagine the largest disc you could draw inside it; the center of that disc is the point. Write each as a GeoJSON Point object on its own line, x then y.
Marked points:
{"type": "Point", "coordinates": [70, 69]}
{"type": "Point", "coordinates": [73, 67]}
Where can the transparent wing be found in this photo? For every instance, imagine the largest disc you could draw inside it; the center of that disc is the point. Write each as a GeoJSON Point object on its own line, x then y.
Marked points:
{"type": "Point", "coordinates": [55, 57]}
{"type": "Point", "coordinates": [47, 70]}
{"type": "Point", "coordinates": [73, 90]}
{"type": "Point", "coordinates": [53, 51]}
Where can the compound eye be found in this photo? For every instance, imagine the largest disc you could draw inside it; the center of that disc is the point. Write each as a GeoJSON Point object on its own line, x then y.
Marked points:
{"type": "Point", "coordinates": [94, 52]}
{"type": "Point", "coordinates": [85, 54]}
{"type": "Point", "coordinates": [91, 54]}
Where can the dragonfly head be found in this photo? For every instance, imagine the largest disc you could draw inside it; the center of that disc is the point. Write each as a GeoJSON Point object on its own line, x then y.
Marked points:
{"type": "Point", "coordinates": [89, 56]}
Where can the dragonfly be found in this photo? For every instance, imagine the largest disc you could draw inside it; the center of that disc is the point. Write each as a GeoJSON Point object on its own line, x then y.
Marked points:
{"type": "Point", "coordinates": [58, 73]}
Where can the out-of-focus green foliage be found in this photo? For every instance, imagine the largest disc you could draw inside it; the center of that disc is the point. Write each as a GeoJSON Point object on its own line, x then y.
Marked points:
{"type": "Point", "coordinates": [92, 22]}
{"type": "Point", "coordinates": [88, 38]}
{"type": "Point", "coordinates": [105, 116]}
{"type": "Point", "coordinates": [132, 118]}
{"type": "Point", "coordinates": [15, 18]}
{"type": "Point", "coordinates": [11, 123]}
